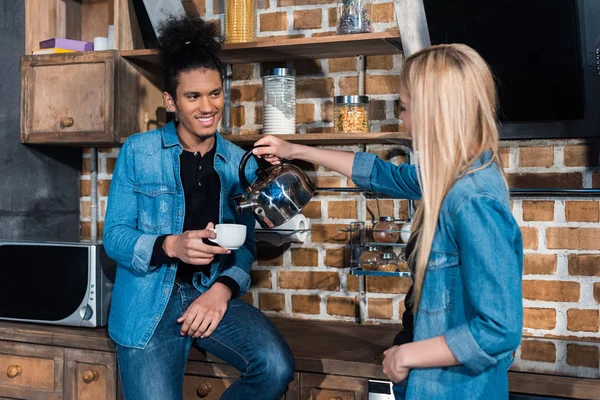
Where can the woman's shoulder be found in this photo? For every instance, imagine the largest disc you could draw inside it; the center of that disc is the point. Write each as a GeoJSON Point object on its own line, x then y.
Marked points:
{"type": "Point", "coordinates": [487, 183]}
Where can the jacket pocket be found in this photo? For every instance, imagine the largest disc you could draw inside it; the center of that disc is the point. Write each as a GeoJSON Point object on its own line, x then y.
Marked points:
{"type": "Point", "coordinates": [155, 206]}
{"type": "Point", "coordinates": [438, 287]}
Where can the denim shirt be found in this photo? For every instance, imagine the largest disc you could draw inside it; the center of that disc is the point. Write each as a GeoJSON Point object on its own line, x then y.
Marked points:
{"type": "Point", "coordinates": [146, 200]}
{"type": "Point", "coordinates": [472, 289]}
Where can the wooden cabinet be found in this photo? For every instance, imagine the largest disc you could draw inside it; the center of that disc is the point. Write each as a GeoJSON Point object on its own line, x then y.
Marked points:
{"type": "Point", "coordinates": [331, 387]}
{"type": "Point", "coordinates": [30, 371]}
{"type": "Point", "coordinates": [90, 375]}
{"type": "Point", "coordinates": [91, 98]}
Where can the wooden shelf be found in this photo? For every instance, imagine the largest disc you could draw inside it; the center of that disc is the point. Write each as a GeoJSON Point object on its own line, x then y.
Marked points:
{"type": "Point", "coordinates": [329, 138]}
{"type": "Point", "coordinates": [274, 49]}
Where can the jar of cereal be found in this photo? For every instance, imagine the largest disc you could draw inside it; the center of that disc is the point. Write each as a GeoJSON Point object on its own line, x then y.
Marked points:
{"type": "Point", "coordinates": [351, 114]}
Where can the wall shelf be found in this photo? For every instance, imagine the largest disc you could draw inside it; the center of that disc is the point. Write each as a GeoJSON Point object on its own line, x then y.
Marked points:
{"type": "Point", "coordinates": [275, 49]}
{"type": "Point", "coordinates": [329, 138]}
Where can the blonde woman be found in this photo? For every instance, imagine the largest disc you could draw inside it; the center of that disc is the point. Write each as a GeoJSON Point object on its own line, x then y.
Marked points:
{"type": "Point", "coordinates": [467, 250]}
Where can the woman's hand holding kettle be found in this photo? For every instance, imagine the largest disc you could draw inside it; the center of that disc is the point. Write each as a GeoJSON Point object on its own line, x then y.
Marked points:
{"type": "Point", "coordinates": [274, 149]}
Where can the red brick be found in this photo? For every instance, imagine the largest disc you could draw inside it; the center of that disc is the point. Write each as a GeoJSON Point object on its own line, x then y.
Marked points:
{"type": "Point", "coordinates": [582, 211]}
{"type": "Point", "coordinates": [276, 21]}
{"type": "Point", "coordinates": [308, 67]}
{"type": "Point", "coordinates": [584, 264]}
{"type": "Point", "coordinates": [385, 284]}
{"type": "Point", "coordinates": [332, 17]}
{"type": "Point", "coordinates": [538, 210]}
{"type": "Point", "coordinates": [307, 19]}
{"type": "Point", "coordinates": [539, 318]}
{"type": "Point", "coordinates": [581, 156]}
{"type": "Point", "coordinates": [312, 209]}
{"type": "Point", "coordinates": [305, 113]}
{"type": "Point", "coordinates": [345, 209]}
{"type": "Point", "coordinates": [348, 85]}
{"type": "Point", "coordinates": [309, 280]}
{"type": "Point", "coordinates": [110, 165]}
{"type": "Point", "coordinates": [380, 62]}
{"type": "Point", "coordinates": [583, 320]}
{"type": "Point", "coordinates": [537, 350]}
{"type": "Point", "coordinates": [597, 292]}
{"type": "Point", "coordinates": [530, 238]}
{"type": "Point", "coordinates": [583, 356]}
{"type": "Point", "coordinates": [329, 233]}
{"type": "Point", "coordinates": [504, 155]}
{"type": "Point", "coordinates": [342, 306]}
{"type": "Point", "coordinates": [382, 84]}
{"type": "Point", "coordinates": [310, 304]}
{"type": "Point", "coordinates": [336, 258]}
{"type": "Point", "coordinates": [573, 238]}
{"type": "Point", "coordinates": [242, 72]}
{"type": "Point", "coordinates": [567, 180]}
{"type": "Point", "coordinates": [237, 116]}
{"type": "Point", "coordinates": [314, 88]}
{"type": "Point", "coordinates": [288, 3]}
{"type": "Point", "coordinates": [271, 301]}
{"type": "Point", "coordinates": [269, 256]}
{"type": "Point", "coordinates": [342, 64]}
{"type": "Point", "coordinates": [380, 308]}
{"type": "Point", "coordinates": [551, 290]}
{"type": "Point", "coordinates": [261, 278]}
{"type": "Point", "coordinates": [303, 257]}
{"type": "Point", "coordinates": [246, 93]}
{"type": "Point", "coordinates": [539, 264]}
{"type": "Point", "coordinates": [536, 156]}
{"type": "Point", "coordinates": [383, 12]}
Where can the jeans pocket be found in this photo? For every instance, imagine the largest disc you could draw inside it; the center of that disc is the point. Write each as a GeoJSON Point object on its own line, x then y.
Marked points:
{"type": "Point", "coordinates": [438, 286]}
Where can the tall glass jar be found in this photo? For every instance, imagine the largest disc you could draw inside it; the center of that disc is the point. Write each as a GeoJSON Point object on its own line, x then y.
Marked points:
{"type": "Point", "coordinates": [351, 114]}
{"type": "Point", "coordinates": [354, 16]}
{"type": "Point", "coordinates": [369, 258]}
{"type": "Point", "coordinates": [240, 21]}
{"type": "Point", "coordinates": [386, 230]}
{"type": "Point", "coordinates": [279, 101]}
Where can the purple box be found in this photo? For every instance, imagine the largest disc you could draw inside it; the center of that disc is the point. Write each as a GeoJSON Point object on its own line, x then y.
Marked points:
{"type": "Point", "coordinates": [69, 44]}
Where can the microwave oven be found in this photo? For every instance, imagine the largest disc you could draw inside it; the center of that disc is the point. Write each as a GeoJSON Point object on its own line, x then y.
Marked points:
{"type": "Point", "coordinates": [59, 283]}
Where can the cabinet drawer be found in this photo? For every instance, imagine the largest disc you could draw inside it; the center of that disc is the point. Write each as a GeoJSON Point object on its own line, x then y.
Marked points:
{"type": "Point", "coordinates": [332, 387]}
{"type": "Point", "coordinates": [201, 387]}
{"type": "Point", "coordinates": [30, 371]}
{"type": "Point", "coordinates": [90, 375]}
{"type": "Point", "coordinates": [68, 98]}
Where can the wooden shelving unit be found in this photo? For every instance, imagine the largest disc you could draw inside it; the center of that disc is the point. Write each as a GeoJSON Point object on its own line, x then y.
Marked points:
{"type": "Point", "coordinates": [329, 138]}
{"type": "Point", "coordinates": [274, 49]}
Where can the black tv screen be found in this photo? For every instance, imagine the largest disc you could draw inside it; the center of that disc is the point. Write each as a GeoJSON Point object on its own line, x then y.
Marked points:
{"type": "Point", "coordinates": [532, 47]}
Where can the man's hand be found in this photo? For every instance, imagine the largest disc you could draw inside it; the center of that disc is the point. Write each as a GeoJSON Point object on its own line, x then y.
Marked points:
{"type": "Point", "coordinates": [393, 366]}
{"type": "Point", "coordinates": [189, 247]}
{"type": "Point", "coordinates": [203, 316]}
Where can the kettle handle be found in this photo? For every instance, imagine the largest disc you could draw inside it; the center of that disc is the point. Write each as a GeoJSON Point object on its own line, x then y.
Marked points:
{"type": "Point", "coordinates": [242, 169]}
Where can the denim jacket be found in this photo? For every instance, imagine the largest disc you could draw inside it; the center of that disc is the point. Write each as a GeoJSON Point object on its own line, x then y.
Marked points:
{"type": "Point", "coordinates": [472, 288]}
{"type": "Point", "coordinates": [146, 201]}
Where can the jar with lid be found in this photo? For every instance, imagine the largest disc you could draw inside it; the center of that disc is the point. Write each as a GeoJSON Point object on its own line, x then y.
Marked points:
{"type": "Point", "coordinates": [402, 261]}
{"type": "Point", "coordinates": [388, 261]}
{"type": "Point", "coordinates": [369, 258]}
{"type": "Point", "coordinates": [386, 230]}
{"type": "Point", "coordinates": [351, 114]}
{"type": "Point", "coordinates": [354, 16]}
{"type": "Point", "coordinates": [240, 21]}
{"type": "Point", "coordinates": [279, 101]}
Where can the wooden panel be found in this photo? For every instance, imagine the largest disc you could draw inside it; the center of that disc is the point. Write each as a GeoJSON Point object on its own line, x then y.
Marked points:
{"type": "Point", "coordinates": [201, 387]}
{"type": "Point", "coordinates": [40, 22]}
{"type": "Point", "coordinates": [326, 387]}
{"type": "Point", "coordinates": [127, 30]}
{"type": "Point", "coordinates": [274, 49]}
{"type": "Point", "coordinates": [90, 375]}
{"type": "Point", "coordinates": [79, 86]}
{"type": "Point", "coordinates": [552, 385]}
{"type": "Point", "coordinates": [329, 138]}
{"type": "Point", "coordinates": [31, 371]}
{"type": "Point", "coordinates": [96, 16]}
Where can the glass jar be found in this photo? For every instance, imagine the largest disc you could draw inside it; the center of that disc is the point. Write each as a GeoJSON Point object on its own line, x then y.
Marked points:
{"type": "Point", "coordinates": [386, 230]}
{"type": "Point", "coordinates": [354, 16]}
{"type": "Point", "coordinates": [351, 114]}
{"type": "Point", "coordinates": [402, 261]}
{"type": "Point", "coordinates": [279, 101]}
{"type": "Point", "coordinates": [388, 261]}
{"type": "Point", "coordinates": [240, 21]}
{"type": "Point", "coordinates": [369, 258]}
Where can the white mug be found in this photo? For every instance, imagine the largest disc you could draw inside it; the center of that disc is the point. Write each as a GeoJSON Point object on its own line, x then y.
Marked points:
{"type": "Point", "coordinates": [229, 236]}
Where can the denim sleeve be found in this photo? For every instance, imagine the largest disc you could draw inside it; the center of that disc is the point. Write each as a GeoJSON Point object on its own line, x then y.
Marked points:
{"type": "Point", "coordinates": [369, 172]}
{"type": "Point", "coordinates": [238, 263]}
{"type": "Point", "coordinates": [491, 253]}
{"type": "Point", "coordinates": [121, 239]}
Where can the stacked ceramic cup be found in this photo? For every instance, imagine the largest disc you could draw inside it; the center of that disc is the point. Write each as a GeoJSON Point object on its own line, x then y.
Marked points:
{"type": "Point", "coordinates": [279, 101]}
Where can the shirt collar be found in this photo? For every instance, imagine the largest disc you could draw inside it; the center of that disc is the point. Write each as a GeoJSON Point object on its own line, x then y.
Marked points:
{"type": "Point", "coordinates": [170, 139]}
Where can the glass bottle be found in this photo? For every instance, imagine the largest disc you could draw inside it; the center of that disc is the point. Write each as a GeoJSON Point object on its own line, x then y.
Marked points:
{"type": "Point", "coordinates": [402, 261]}
{"type": "Point", "coordinates": [388, 261]}
{"type": "Point", "coordinates": [354, 16]}
{"type": "Point", "coordinates": [279, 101]}
{"type": "Point", "coordinates": [240, 21]}
{"type": "Point", "coordinates": [351, 114]}
{"type": "Point", "coordinates": [386, 230]}
{"type": "Point", "coordinates": [369, 258]}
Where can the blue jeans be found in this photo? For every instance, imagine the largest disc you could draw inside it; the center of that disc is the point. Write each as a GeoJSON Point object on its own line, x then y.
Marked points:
{"type": "Point", "coordinates": [245, 338]}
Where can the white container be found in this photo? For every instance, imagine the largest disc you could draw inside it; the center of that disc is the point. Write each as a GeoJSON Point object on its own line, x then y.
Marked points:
{"type": "Point", "coordinates": [279, 102]}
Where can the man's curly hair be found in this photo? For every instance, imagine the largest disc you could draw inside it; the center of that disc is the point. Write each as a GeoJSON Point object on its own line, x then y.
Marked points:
{"type": "Point", "coordinates": [187, 43]}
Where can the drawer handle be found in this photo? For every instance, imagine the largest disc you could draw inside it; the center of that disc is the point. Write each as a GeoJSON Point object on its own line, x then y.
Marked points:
{"type": "Point", "coordinates": [66, 122]}
{"type": "Point", "coordinates": [203, 390]}
{"type": "Point", "coordinates": [13, 371]}
{"type": "Point", "coordinates": [90, 376]}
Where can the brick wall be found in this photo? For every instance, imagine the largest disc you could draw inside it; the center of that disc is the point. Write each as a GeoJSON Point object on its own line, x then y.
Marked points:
{"type": "Point", "coordinates": [561, 283]}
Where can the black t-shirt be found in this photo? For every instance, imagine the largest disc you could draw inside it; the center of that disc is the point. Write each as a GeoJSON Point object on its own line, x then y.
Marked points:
{"type": "Point", "coordinates": [202, 193]}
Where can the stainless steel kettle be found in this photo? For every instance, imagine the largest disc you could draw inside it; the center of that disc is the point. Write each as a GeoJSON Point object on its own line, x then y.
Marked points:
{"type": "Point", "coordinates": [280, 192]}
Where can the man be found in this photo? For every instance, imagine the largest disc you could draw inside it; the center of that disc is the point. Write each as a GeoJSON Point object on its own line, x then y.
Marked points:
{"type": "Point", "coordinates": [174, 290]}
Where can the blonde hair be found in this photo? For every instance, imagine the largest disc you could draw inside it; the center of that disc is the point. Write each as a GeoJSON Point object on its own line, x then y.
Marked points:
{"type": "Point", "coordinates": [453, 121]}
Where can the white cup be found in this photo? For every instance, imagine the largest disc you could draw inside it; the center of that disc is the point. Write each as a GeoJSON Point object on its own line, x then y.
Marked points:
{"type": "Point", "coordinates": [100, 43]}
{"type": "Point", "coordinates": [229, 236]}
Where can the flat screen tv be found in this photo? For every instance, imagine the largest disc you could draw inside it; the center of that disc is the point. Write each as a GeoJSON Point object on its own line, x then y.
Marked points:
{"type": "Point", "coordinates": [544, 55]}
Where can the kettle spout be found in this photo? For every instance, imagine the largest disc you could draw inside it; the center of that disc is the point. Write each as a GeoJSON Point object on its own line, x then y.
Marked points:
{"type": "Point", "coordinates": [242, 205]}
